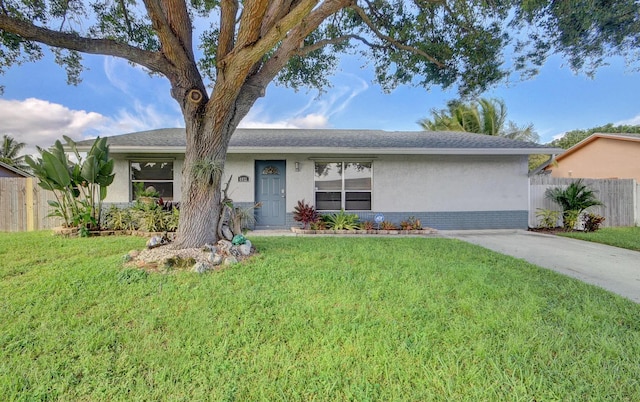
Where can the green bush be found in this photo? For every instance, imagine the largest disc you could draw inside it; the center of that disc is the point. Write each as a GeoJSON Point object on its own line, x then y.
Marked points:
{"type": "Point", "coordinates": [573, 199]}
{"type": "Point", "coordinates": [548, 218]}
{"type": "Point", "coordinates": [342, 221]}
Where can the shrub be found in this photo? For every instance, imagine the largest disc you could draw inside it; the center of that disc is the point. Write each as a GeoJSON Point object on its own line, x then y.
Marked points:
{"type": "Point", "coordinates": [411, 224]}
{"type": "Point", "coordinates": [367, 225]}
{"type": "Point", "coordinates": [305, 213]}
{"type": "Point", "coordinates": [342, 221]}
{"type": "Point", "coordinates": [573, 199]}
{"type": "Point", "coordinates": [592, 222]}
{"type": "Point", "coordinates": [548, 218]}
{"type": "Point", "coordinates": [570, 219]}
{"type": "Point", "coordinates": [318, 225]}
{"type": "Point", "coordinates": [119, 219]}
{"type": "Point", "coordinates": [79, 188]}
{"type": "Point", "coordinates": [386, 225]}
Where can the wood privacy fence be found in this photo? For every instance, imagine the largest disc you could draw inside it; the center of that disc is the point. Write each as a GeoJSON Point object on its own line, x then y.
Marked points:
{"type": "Point", "coordinates": [23, 205]}
{"type": "Point", "coordinates": [621, 198]}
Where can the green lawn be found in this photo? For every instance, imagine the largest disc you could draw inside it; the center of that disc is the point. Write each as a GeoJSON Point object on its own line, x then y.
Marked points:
{"type": "Point", "coordinates": [326, 319]}
{"type": "Point", "coordinates": [624, 237]}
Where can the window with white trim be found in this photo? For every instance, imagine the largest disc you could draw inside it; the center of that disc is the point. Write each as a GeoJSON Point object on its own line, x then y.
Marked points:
{"type": "Point", "coordinates": [343, 185]}
{"type": "Point", "coordinates": [155, 173]}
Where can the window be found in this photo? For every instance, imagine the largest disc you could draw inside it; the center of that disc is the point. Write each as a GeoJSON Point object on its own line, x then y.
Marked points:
{"type": "Point", "coordinates": [343, 185]}
{"type": "Point", "coordinates": [158, 174]}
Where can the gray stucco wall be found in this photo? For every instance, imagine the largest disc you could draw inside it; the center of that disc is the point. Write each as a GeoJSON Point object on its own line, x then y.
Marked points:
{"type": "Point", "coordinates": [444, 191]}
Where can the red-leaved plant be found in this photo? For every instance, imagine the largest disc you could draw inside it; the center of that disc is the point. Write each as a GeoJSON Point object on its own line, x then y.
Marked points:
{"type": "Point", "coordinates": [305, 213]}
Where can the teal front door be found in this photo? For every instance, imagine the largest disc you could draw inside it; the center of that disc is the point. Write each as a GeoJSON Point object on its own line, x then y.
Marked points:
{"type": "Point", "coordinates": [270, 191]}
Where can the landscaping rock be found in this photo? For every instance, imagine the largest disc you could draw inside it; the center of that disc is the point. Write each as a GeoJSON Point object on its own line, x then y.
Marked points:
{"type": "Point", "coordinates": [157, 241]}
{"type": "Point", "coordinates": [238, 240]}
{"type": "Point", "coordinates": [227, 233]}
{"type": "Point", "coordinates": [209, 247]}
{"type": "Point", "coordinates": [231, 260]}
{"type": "Point", "coordinates": [200, 267]}
{"type": "Point", "coordinates": [216, 259]}
{"type": "Point", "coordinates": [224, 247]}
{"type": "Point", "coordinates": [245, 249]}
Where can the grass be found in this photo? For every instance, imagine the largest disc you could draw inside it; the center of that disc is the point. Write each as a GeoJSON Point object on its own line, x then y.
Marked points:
{"type": "Point", "coordinates": [624, 237]}
{"type": "Point", "coordinates": [324, 319]}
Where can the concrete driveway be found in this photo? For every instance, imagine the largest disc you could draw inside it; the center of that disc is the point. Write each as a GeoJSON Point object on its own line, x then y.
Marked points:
{"type": "Point", "coordinates": [612, 268]}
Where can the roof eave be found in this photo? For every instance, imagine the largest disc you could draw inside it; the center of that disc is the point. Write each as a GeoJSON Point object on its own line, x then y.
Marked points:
{"type": "Point", "coordinates": [344, 150]}
{"type": "Point", "coordinates": [395, 151]}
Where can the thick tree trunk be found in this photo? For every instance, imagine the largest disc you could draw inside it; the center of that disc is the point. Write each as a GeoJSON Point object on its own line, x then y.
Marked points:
{"type": "Point", "coordinates": [200, 206]}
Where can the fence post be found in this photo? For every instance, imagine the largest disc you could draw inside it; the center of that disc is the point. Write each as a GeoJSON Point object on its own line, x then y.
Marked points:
{"type": "Point", "coordinates": [29, 201]}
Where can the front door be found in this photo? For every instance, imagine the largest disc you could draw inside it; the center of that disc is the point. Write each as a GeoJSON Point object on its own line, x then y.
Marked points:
{"type": "Point", "coordinates": [270, 191]}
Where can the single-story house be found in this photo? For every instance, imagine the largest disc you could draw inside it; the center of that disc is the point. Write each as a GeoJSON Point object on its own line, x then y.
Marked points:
{"type": "Point", "coordinates": [599, 156]}
{"type": "Point", "coordinates": [11, 171]}
{"type": "Point", "coordinates": [447, 180]}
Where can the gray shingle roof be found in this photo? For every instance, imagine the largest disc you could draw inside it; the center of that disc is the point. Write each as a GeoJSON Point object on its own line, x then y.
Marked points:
{"type": "Point", "coordinates": [299, 139]}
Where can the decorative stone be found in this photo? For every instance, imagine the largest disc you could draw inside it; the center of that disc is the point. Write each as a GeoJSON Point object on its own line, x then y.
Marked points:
{"type": "Point", "coordinates": [248, 243]}
{"type": "Point", "coordinates": [226, 232]}
{"type": "Point", "coordinates": [231, 260]}
{"type": "Point", "coordinates": [224, 247]}
{"type": "Point", "coordinates": [238, 240]}
{"type": "Point", "coordinates": [133, 253]}
{"type": "Point", "coordinates": [209, 247]}
{"type": "Point", "coordinates": [244, 249]}
{"type": "Point", "coordinates": [200, 267]}
{"type": "Point", "coordinates": [216, 259]}
{"type": "Point", "coordinates": [157, 241]}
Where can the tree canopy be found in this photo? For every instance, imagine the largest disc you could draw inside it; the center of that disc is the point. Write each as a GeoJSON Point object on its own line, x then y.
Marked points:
{"type": "Point", "coordinates": [243, 46]}
{"type": "Point", "coordinates": [571, 138]}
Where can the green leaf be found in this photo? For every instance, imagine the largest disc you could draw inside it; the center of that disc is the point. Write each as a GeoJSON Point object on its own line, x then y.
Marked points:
{"type": "Point", "coordinates": [56, 170]}
{"type": "Point", "coordinates": [103, 192]}
{"type": "Point", "coordinates": [89, 170]}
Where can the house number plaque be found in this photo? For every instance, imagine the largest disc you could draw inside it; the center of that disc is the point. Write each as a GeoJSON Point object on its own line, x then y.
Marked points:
{"type": "Point", "coordinates": [243, 179]}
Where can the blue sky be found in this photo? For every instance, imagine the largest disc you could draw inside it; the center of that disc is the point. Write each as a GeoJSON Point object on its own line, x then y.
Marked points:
{"type": "Point", "coordinates": [38, 106]}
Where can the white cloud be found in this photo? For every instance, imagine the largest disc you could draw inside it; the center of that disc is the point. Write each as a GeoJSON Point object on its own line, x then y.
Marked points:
{"type": "Point", "coordinates": [315, 113]}
{"type": "Point", "coordinates": [257, 119]}
{"type": "Point", "coordinates": [39, 122]}
{"type": "Point", "coordinates": [634, 121]}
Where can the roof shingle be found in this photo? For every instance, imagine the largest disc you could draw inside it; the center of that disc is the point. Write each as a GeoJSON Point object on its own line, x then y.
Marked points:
{"type": "Point", "coordinates": [329, 139]}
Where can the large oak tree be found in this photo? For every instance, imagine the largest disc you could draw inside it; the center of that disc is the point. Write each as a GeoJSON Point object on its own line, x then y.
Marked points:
{"type": "Point", "coordinates": [248, 44]}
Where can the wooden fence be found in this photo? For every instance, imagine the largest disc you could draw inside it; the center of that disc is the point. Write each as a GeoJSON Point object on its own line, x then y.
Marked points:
{"type": "Point", "coordinates": [621, 198]}
{"type": "Point", "coordinates": [23, 205]}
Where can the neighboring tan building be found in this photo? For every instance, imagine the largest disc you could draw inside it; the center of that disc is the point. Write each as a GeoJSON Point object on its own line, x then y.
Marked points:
{"type": "Point", "coordinates": [600, 156]}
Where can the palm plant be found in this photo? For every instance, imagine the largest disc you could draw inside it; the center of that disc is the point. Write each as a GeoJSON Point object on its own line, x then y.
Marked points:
{"type": "Point", "coordinates": [9, 153]}
{"type": "Point", "coordinates": [573, 199]}
{"type": "Point", "coordinates": [483, 116]}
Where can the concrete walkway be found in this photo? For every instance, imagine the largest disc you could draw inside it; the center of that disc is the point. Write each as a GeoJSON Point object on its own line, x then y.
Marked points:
{"type": "Point", "coordinates": [612, 268]}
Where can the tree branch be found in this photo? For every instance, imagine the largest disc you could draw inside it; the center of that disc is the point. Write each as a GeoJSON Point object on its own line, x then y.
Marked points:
{"type": "Point", "coordinates": [151, 60]}
{"type": "Point", "coordinates": [334, 41]}
{"type": "Point", "coordinates": [250, 22]}
{"type": "Point", "coordinates": [228, 12]}
{"type": "Point", "coordinates": [392, 41]}
{"type": "Point", "coordinates": [172, 45]}
{"type": "Point", "coordinates": [125, 13]}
